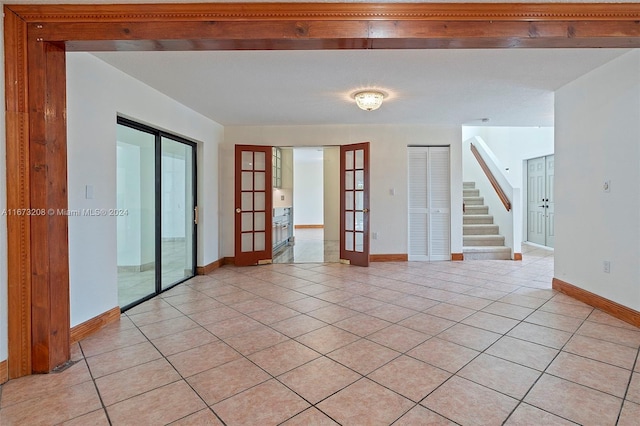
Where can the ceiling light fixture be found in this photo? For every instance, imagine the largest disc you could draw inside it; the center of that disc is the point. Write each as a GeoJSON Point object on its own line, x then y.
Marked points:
{"type": "Point", "coordinates": [369, 100]}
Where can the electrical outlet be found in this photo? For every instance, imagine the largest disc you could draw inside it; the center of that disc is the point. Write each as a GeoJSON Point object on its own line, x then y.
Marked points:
{"type": "Point", "coordinates": [606, 186]}
{"type": "Point", "coordinates": [606, 266]}
{"type": "Point", "coordinates": [374, 235]}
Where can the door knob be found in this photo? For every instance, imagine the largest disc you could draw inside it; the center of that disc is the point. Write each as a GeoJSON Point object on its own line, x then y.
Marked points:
{"type": "Point", "coordinates": [238, 210]}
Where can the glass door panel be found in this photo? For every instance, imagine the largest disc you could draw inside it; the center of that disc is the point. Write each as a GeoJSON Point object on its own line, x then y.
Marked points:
{"type": "Point", "coordinates": [253, 204]}
{"type": "Point", "coordinates": [177, 212]}
{"type": "Point", "coordinates": [135, 194]}
{"type": "Point", "coordinates": [354, 204]}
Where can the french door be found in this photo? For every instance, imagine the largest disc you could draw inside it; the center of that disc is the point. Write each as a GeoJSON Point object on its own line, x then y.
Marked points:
{"type": "Point", "coordinates": [253, 204]}
{"type": "Point", "coordinates": [354, 204]}
{"type": "Point", "coordinates": [541, 201]}
{"type": "Point", "coordinates": [155, 215]}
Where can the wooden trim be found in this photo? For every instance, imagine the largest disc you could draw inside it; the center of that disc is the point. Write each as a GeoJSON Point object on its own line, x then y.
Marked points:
{"type": "Point", "coordinates": [517, 256]}
{"type": "Point", "coordinates": [89, 327]}
{"type": "Point", "coordinates": [308, 226]}
{"type": "Point", "coordinates": [613, 308]}
{"type": "Point", "coordinates": [496, 186]}
{"type": "Point", "coordinates": [36, 37]}
{"type": "Point", "coordinates": [457, 256]}
{"type": "Point", "coordinates": [4, 371]}
{"type": "Point", "coordinates": [229, 260]}
{"type": "Point", "coordinates": [400, 257]}
{"type": "Point", "coordinates": [204, 270]}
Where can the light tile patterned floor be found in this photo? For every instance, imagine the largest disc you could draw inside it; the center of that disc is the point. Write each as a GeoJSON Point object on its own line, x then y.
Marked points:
{"type": "Point", "coordinates": [474, 342]}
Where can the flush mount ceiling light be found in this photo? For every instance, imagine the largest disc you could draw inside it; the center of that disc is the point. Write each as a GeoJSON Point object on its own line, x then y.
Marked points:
{"type": "Point", "coordinates": [369, 100]}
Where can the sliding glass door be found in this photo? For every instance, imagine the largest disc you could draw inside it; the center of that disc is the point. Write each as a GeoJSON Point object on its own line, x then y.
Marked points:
{"type": "Point", "coordinates": [156, 189]}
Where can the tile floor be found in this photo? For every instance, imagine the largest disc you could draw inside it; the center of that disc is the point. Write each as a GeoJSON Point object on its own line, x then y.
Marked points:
{"type": "Point", "coordinates": [476, 342]}
{"type": "Point", "coordinates": [309, 247]}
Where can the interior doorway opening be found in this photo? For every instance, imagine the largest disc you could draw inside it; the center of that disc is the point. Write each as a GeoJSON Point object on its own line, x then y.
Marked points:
{"type": "Point", "coordinates": [306, 204]}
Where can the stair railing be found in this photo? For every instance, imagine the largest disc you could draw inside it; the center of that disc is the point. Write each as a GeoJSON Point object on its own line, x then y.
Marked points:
{"type": "Point", "coordinates": [492, 179]}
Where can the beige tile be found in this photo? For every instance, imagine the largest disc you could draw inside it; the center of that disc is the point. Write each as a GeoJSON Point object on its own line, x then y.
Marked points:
{"type": "Point", "coordinates": [468, 301]}
{"type": "Point", "coordinates": [541, 335]}
{"type": "Point", "coordinates": [523, 352]}
{"type": "Point", "coordinates": [255, 340]}
{"type": "Point", "coordinates": [363, 356]}
{"type": "Point", "coordinates": [601, 350]}
{"type": "Point", "coordinates": [202, 358]}
{"type": "Point", "coordinates": [307, 304]}
{"type": "Point", "coordinates": [283, 357]}
{"type": "Point", "coordinates": [427, 324]}
{"type": "Point", "coordinates": [214, 315]}
{"type": "Point", "coordinates": [55, 407]}
{"type": "Point", "coordinates": [167, 327]}
{"type": "Point", "coordinates": [398, 338]}
{"type": "Point", "coordinates": [559, 322]}
{"type": "Point", "coordinates": [524, 301]}
{"type": "Point", "coordinates": [490, 322]}
{"type": "Point", "coordinates": [581, 311]}
{"type": "Point", "coordinates": [633, 394]}
{"type": "Point", "coordinates": [233, 326]}
{"type": "Point", "coordinates": [121, 359]}
{"type": "Point", "coordinates": [226, 380]}
{"type": "Point", "coordinates": [135, 380]}
{"type": "Point", "coordinates": [526, 414]}
{"type": "Point", "coordinates": [273, 314]}
{"type": "Point", "coordinates": [362, 325]}
{"type": "Point", "coordinates": [331, 314]}
{"type": "Point", "coordinates": [159, 406]}
{"type": "Point", "coordinates": [269, 403]}
{"type": "Point", "coordinates": [310, 417]}
{"type": "Point", "coordinates": [156, 315]}
{"type": "Point", "coordinates": [419, 415]}
{"type": "Point", "coordinates": [318, 379]}
{"type": "Point", "coordinates": [365, 402]}
{"type": "Point", "coordinates": [470, 337]}
{"type": "Point", "coordinates": [573, 401]}
{"type": "Point", "coordinates": [180, 342]}
{"type": "Point", "coordinates": [298, 325]}
{"type": "Point", "coordinates": [94, 418]}
{"type": "Point", "coordinates": [409, 377]}
{"type": "Point", "coordinates": [201, 304]}
{"type": "Point", "coordinates": [507, 310]}
{"type": "Point", "coordinates": [604, 318]}
{"type": "Point", "coordinates": [235, 297]}
{"type": "Point", "coordinates": [416, 303]}
{"type": "Point", "coordinates": [199, 418]}
{"type": "Point", "coordinates": [450, 312]}
{"type": "Point", "coordinates": [76, 352]}
{"type": "Point", "coordinates": [327, 339]}
{"type": "Point", "coordinates": [253, 305]}
{"type": "Point", "coordinates": [43, 385]}
{"type": "Point", "coordinates": [442, 354]}
{"type": "Point", "coordinates": [500, 375]}
{"type": "Point", "coordinates": [629, 415]}
{"type": "Point", "coordinates": [107, 340]}
{"type": "Point", "coordinates": [611, 334]}
{"type": "Point", "coordinates": [391, 313]}
{"type": "Point", "coordinates": [468, 403]}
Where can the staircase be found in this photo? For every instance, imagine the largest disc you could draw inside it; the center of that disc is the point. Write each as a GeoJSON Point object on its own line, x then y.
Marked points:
{"type": "Point", "coordinates": [481, 240]}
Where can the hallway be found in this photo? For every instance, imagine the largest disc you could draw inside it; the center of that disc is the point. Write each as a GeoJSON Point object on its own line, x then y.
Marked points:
{"type": "Point", "coordinates": [407, 343]}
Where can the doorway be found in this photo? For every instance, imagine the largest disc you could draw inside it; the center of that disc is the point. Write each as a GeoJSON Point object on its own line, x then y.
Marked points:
{"type": "Point", "coordinates": [156, 232]}
{"type": "Point", "coordinates": [306, 204]}
{"type": "Point", "coordinates": [540, 201]}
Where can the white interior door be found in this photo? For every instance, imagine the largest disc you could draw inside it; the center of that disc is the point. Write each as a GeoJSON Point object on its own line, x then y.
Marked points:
{"type": "Point", "coordinates": [540, 201]}
{"type": "Point", "coordinates": [429, 204]}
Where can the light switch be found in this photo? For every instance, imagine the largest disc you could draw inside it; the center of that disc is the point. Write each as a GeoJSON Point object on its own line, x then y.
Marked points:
{"type": "Point", "coordinates": [392, 191]}
{"type": "Point", "coordinates": [88, 192]}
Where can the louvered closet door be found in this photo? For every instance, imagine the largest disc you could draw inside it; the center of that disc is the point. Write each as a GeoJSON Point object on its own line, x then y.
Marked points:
{"type": "Point", "coordinates": [429, 204]}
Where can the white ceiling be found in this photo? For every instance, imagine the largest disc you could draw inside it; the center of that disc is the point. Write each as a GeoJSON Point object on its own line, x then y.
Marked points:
{"type": "Point", "coordinates": [511, 87]}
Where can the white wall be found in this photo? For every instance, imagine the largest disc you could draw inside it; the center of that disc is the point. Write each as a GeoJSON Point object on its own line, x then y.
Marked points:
{"type": "Point", "coordinates": [598, 139]}
{"type": "Point", "coordinates": [308, 187]}
{"type": "Point", "coordinates": [96, 94]}
{"type": "Point", "coordinates": [512, 146]}
{"type": "Point", "coordinates": [388, 171]}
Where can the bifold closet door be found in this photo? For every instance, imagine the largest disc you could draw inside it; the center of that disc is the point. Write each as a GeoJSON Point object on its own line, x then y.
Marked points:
{"type": "Point", "coordinates": [429, 203]}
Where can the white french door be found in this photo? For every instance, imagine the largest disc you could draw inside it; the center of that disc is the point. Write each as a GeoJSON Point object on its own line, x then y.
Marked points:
{"type": "Point", "coordinates": [541, 201]}
{"type": "Point", "coordinates": [429, 203]}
